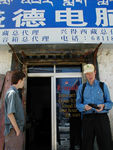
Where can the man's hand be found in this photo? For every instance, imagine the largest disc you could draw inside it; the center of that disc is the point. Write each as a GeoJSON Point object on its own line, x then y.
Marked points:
{"type": "Point", "coordinates": [14, 123]}
{"type": "Point", "coordinates": [101, 107]}
{"type": "Point", "coordinates": [18, 132]}
{"type": "Point", "coordinates": [87, 107]}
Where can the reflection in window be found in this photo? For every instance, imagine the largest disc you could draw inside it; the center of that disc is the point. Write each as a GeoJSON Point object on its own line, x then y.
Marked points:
{"type": "Point", "coordinates": [50, 69]}
{"type": "Point", "coordinates": [40, 69]}
{"type": "Point", "coordinates": [63, 69]}
{"type": "Point", "coordinates": [68, 117]}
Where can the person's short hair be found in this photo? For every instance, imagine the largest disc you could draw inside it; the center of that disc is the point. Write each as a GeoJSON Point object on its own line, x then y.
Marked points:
{"type": "Point", "coordinates": [16, 76]}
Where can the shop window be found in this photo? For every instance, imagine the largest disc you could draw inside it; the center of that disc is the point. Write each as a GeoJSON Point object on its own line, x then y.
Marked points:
{"type": "Point", "coordinates": [64, 69]}
{"type": "Point", "coordinates": [40, 69]}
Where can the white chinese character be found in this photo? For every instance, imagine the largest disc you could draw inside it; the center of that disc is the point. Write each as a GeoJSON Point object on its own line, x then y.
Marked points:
{"type": "Point", "coordinates": [31, 1]}
{"type": "Point", "coordinates": [71, 17]}
{"type": "Point", "coordinates": [72, 2]}
{"type": "Point", "coordinates": [80, 1]}
{"type": "Point", "coordinates": [68, 3]}
{"type": "Point", "coordinates": [29, 18]}
{"type": "Point", "coordinates": [2, 18]}
{"type": "Point", "coordinates": [85, 1]}
{"type": "Point", "coordinates": [37, 1]}
{"type": "Point", "coordinates": [103, 16]}
{"type": "Point", "coordinates": [48, 1]}
{"type": "Point", "coordinates": [6, 1]}
{"type": "Point", "coordinates": [26, 1]}
{"type": "Point", "coordinates": [110, 16]}
{"type": "Point", "coordinates": [103, 2]}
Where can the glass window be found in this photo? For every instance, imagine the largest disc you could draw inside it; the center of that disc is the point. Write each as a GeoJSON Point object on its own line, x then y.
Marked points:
{"type": "Point", "coordinates": [64, 69]}
{"type": "Point", "coordinates": [68, 117]}
{"type": "Point", "coordinates": [40, 69]}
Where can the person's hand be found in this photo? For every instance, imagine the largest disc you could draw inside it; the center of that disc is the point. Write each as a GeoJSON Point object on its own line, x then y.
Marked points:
{"type": "Point", "coordinates": [18, 132]}
{"type": "Point", "coordinates": [87, 107]}
{"type": "Point", "coordinates": [101, 107]}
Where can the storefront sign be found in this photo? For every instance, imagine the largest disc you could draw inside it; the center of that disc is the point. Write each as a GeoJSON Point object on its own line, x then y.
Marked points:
{"type": "Point", "coordinates": [56, 21]}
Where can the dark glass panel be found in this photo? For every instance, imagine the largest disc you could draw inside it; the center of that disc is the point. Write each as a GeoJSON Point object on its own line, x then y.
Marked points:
{"type": "Point", "coordinates": [68, 117]}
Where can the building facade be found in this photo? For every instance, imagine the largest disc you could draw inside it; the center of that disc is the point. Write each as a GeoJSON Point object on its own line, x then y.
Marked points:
{"type": "Point", "coordinates": [51, 41]}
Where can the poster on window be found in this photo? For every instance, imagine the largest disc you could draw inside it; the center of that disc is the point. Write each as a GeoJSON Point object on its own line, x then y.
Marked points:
{"type": "Point", "coordinates": [68, 117]}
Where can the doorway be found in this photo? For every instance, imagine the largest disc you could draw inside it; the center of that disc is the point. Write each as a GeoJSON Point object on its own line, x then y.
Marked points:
{"type": "Point", "coordinates": [47, 88]}
{"type": "Point", "coordinates": [38, 117]}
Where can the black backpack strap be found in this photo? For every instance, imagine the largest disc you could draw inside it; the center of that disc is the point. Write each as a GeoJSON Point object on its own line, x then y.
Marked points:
{"type": "Point", "coordinates": [83, 88]}
{"type": "Point", "coordinates": [102, 87]}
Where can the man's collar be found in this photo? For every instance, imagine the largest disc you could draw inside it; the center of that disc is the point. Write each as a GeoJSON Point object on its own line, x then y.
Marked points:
{"type": "Point", "coordinates": [95, 82]}
{"type": "Point", "coordinates": [14, 88]}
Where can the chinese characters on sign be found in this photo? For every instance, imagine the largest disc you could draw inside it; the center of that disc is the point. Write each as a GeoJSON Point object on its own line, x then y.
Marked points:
{"type": "Point", "coordinates": [104, 2]}
{"type": "Point", "coordinates": [64, 2]}
{"type": "Point", "coordinates": [63, 35]}
{"type": "Point", "coordinates": [8, 2]}
{"type": "Point", "coordinates": [72, 2]}
{"type": "Point", "coordinates": [71, 16]}
{"type": "Point", "coordinates": [36, 2]}
{"type": "Point", "coordinates": [71, 21]}
{"type": "Point", "coordinates": [33, 18]}
{"type": "Point", "coordinates": [104, 17]}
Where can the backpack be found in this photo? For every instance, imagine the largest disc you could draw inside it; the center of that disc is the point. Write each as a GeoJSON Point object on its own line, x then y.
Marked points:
{"type": "Point", "coordinates": [101, 84]}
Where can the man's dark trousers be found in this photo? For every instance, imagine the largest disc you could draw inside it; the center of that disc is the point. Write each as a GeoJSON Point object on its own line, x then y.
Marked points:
{"type": "Point", "coordinates": [96, 125]}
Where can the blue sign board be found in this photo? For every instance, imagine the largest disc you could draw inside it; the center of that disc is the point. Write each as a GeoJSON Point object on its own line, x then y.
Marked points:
{"type": "Point", "coordinates": [56, 21]}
